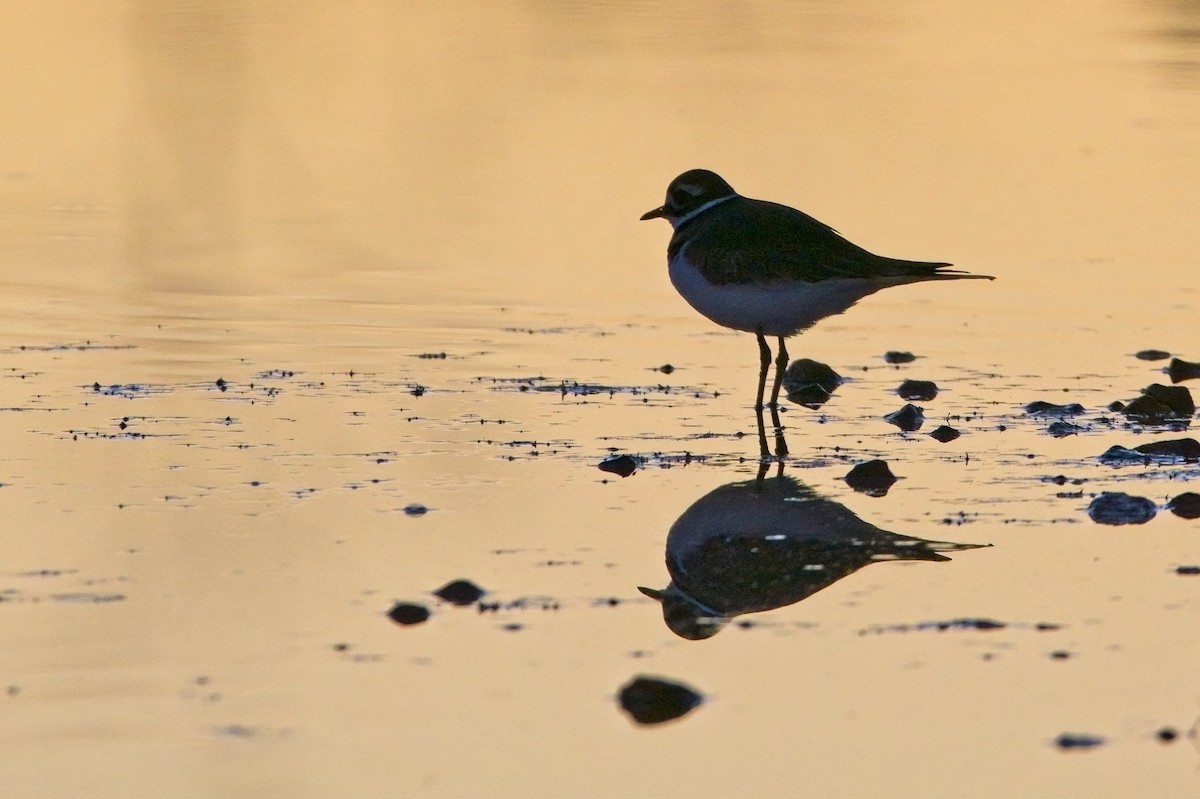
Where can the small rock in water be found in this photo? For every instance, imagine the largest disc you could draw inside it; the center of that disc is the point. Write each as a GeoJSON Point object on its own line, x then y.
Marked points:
{"type": "Point", "coordinates": [653, 700]}
{"type": "Point", "coordinates": [897, 357]}
{"type": "Point", "coordinates": [621, 465]}
{"type": "Point", "coordinates": [1179, 370]}
{"type": "Point", "coordinates": [872, 478]}
{"type": "Point", "coordinates": [415, 509]}
{"type": "Point", "coordinates": [1187, 449]}
{"type": "Point", "coordinates": [1042, 408]}
{"type": "Point", "coordinates": [810, 383]}
{"type": "Point", "coordinates": [1070, 740]}
{"type": "Point", "coordinates": [1116, 508]}
{"type": "Point", "coordinates": [1189, 570]}
{"type": "Point", "coordinates": [918, 390]}
{"type": "Point", "coordinates": [1060, 429]}
{"type": "Point", "coordinates": [945, 434]}
{"type": "Point", "coordinates": [460, 592]}
{"type": "Point", "coordinates": [1186, 505]}
{"type": "Point", "coordinates": [908, 418]}
{"type": "Point", "coordinates": [1147, 410]}
{"type": "Point", "coordinates": [1166, 734]}
{"type": "Point", "coordinates": [1177, 398]}
{"type": "Point", "coordinates": [1152, 355]}
{"type": "Point", "coordinates": [666, 369]}
{"type": "Point", "coordinates": [407, 614]}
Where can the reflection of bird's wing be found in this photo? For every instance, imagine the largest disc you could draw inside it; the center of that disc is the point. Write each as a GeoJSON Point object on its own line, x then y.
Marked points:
{"type": "Point", "coordinates": [744, 241]}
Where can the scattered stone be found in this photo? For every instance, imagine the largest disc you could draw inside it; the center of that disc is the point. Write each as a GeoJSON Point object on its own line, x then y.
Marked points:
{"type": "Point", "coordinates": [908, 418]}
{"type": "Point", "coordinates": [407, 614]}
{"type": "Point", "coordinates": [415, 509]}
{"type": "Point", "coordinates": [1117, 508]}
{"type": "Point", "coordinates": [810, 383]}
{"type": "Point", "coordinates": [460, 592]}
{"type": "Point", "coordinates": [1116, 406]}
{"type": "Point", "coordinates": [1179, 370]}
{"type": "Point", "coordinates": [898, 357]}
{"type": "Point", "coordinates": [1186, 448]}
{"type": "Point", "coordinates": [621, 465]}
{"type": "Point", "coordinates": [1147, 410]}
{"type": "Point", "coordinates": [1186, 505]}
{"type": "Point", "coordinates": [945, 434]}
{"type": "Point", "coordinates": [1152, 355]}
{"type": "Point", "coordinates": [1177, 398]}
{"type": "Point", "coordinates": [1077, 741]}
{"type": "Point", "coordinates": [1166, 734]}
{"type": "Point", "coordinates": [917, 390]}
{"type": "Point", "coordinates": [872, 478]}
{"type": "Point", "coordinates": [1061, 429]}
{"type": "Point", "coordinates": [666, 369]}
{"type": "Point", "coordinates": [653, 700]}
{"type": "Point", "coordinates": [1042, 408]}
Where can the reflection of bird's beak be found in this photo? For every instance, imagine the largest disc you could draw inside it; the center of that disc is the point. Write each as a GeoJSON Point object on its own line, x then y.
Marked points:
{"type": "Point", "coordinates": [661, 211]}
{"type": "Point", "coordinates": [653, 593]}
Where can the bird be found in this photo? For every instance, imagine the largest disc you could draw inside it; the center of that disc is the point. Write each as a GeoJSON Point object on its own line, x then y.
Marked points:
{"type": "Point", "coordinates": [768, 269]}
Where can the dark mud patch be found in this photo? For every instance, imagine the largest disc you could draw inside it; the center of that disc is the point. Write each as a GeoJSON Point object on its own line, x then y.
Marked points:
{"type": "Point", "coordinates": [979, 624]}
{"type": "Point", "coordinates": [575, 389]}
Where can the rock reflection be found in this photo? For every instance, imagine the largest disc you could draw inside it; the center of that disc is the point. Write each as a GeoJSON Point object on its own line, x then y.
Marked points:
{"type": "Point", "coordinates": [765, 543]}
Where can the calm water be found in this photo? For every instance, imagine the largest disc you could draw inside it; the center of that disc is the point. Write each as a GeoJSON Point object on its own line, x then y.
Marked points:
{"type": "Point", "coordinates": [275, 274]}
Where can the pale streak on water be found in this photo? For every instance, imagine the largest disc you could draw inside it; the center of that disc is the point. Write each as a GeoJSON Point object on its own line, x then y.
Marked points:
{"type": "Point", "coordinates": [301, 201]}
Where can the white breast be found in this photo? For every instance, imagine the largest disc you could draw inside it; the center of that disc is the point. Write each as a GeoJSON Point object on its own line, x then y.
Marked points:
{"type": "Point", "coordinates": [777, 308]}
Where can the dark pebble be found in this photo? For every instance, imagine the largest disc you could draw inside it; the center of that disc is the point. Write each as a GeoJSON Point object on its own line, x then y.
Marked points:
{"type": "Point", "coordinates": [872, 478]}
{"type": "Point", "coordinates": [1115, 507]}
{"type": "Point", "coordinates": [415, 509]}
{"type": "Point", "coordinates": [1042, 408]}
{"type": "Point", "coordinates": [1186, 505]}
{"type": "Point", "coordinates": [1152, 355]}
{"type": "Point", "coordinates": [460, 592]}
{"type": "Point", "coordinates": [810, 383]}
{"type": "Point", "coordinates": [1076, 741]}
{"type": "Point", "coordinates": [1186, 448]}
{"type": "Point", "coordinates": [917, 390]}
{"type": "Point", "coordinates": [1061, 429]}
{"type": "Point", "coordinates": [407, 614]}
{"type": "Point", "coordinates": [1147, 410]}
{"type": "Point", "coordinates": [622, 465]}
{"type": "Point", "coordinates": [1167, 734]}
{"type": "Point", "coordinates": [1177, 398]}
{"type": "Point", "coordinates": [896, 356]}
{"type": "Point", "coordinates": [1179, 370]}
{"type": "Point", "coordinates": [945, 434]}
{"type": "Point", "coordinates": [1116, 406]}
{"type": "Point", "coordinates": [653, 700]}
{"type": "Point", "coordinates": [908, 418]}
{"type": "Point", "coordinates": [1187, 570]}
{"type": "Point", "coordinates": [666, 368]}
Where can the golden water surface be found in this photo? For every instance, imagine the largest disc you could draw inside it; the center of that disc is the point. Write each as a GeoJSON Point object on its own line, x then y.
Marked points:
{"type": "Point", "coordinates": [275, 272]}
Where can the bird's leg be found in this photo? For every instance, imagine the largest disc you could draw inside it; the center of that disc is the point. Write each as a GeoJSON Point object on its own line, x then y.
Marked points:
{"type": "Point", "coordinates": [764, 452]}
{"type": "Point", "coordinates": [781, 365]}
{"type": "Point", "coordinates": [764, 354]}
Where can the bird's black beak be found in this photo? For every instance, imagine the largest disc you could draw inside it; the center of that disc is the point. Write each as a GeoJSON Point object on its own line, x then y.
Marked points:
{"type": "Point", "coordinates": [656, 213]}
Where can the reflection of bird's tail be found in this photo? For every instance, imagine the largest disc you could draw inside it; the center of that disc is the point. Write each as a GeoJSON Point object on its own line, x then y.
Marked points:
{"type": "Point", "coordinates": [917, 549]}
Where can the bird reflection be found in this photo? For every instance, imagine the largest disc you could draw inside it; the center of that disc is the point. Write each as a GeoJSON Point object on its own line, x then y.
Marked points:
{"type": "Point", "coordinates": [765, 543]}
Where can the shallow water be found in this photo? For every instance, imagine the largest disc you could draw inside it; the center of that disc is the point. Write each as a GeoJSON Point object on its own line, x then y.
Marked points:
{"type": "Point", "coordinates": [274, 276]}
